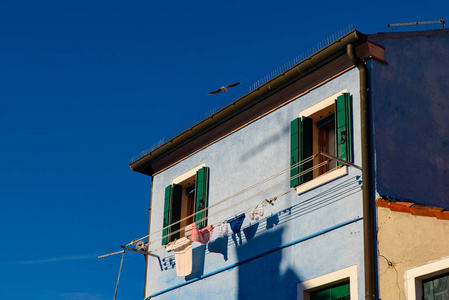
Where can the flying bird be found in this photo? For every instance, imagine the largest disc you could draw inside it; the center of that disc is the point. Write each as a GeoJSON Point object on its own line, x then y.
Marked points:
{"type": "Point", "coordinates": [224, 88]}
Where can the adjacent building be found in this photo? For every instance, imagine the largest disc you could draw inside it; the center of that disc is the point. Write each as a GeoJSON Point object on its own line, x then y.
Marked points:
{"type": "Point", "coordinates": [291, 171]}
{"type": "Point", "coordinates": [413, 251]}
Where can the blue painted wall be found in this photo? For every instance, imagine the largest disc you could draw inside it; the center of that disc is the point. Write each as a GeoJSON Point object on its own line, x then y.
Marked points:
{"type": "Point", "coordinates": [240, 160]}
{"type": "Point", "coordinates": [410, 98]}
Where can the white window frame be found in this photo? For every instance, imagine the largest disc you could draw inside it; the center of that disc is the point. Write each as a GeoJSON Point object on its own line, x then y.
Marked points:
{"type": "Point", "coordinates": [415, 276]}
{"type": "Point", "coordinates": [349, 273]}
{"type": "Point", "coordinates": [187, 174]}
{"type": "Point", "coordinates": [331, 175]}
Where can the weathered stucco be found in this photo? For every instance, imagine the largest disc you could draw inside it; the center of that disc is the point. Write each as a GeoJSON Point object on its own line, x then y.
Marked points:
{"type": "Point", "coordinates": [407, 241]}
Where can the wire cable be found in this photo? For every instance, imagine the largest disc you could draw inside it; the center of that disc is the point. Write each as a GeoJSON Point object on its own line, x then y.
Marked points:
{"type": "Point", "coordinates": [243, 211]}
{"type": "Point", "coordinates": [241, 201]}
{"type": "Point", "coordinates": [310, 158]}
{"type": "Point", "coordinates": [252, 207]}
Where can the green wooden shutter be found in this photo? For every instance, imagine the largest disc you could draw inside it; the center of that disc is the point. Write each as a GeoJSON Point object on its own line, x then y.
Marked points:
{"type": "Point", "coordinates": [336, 292]}
{"type": "Point", "coordinates": [172, 212]}
{"type": "Point", "coordinates": [201, 196]}
{"type": "Point", "coordinates": [295, 131]}
{"type": "Point", "coordinates": [301, 147]}
{"type": "Point", "coordinates": [307, 147]}
{"type": "Point", "coordinates": [167, 214]}
{"type": "Point", "coordinates": [176, 211]}
{"type": "Point", "coordinates": [343, 127]}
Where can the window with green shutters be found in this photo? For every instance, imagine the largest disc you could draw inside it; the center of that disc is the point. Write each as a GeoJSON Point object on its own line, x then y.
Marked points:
{"type": "Point", "coordinates": [185, 203]}
{"type": "Point", "coordinates": [327, 130]}
{"type": "Point", "coordinates": [339, 291]}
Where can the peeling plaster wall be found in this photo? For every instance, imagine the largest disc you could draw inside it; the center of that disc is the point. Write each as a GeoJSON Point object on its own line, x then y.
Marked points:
{"type": "Point", "coordinates": [240, 160]}
{"type": "Point", "coordinates": [410, 100]}
{"type": "Point", "coordinates": [407, 241]}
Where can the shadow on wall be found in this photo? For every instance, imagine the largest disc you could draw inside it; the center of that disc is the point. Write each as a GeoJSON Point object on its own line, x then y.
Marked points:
{"type": "Point", "coordinates": [168, 263]}
{"type": "Point", "coordinates": [272, 139]}
{"type": "Point", "coordinates": [262, 277]}
{"type": "Point", "coordinates": [337, 193]}
{"type": "Point", "coordinates": [255, 233]}
{"type": "Point", "coordinates": [219, 245]}
{"type": "Point", "coordinates": [198, 255]}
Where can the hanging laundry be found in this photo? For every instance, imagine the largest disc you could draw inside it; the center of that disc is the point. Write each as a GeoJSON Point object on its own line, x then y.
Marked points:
{"type": "Point", "coordinates": [223, 229]}
{"type": "Point", "coordinates": [236, 223]}
{"type": "Point", "coordinates": [194, 234]}
{"type": "Point", "coordinates": [183, 255]}
{"type": "Point", "coordinates": [256, 213]}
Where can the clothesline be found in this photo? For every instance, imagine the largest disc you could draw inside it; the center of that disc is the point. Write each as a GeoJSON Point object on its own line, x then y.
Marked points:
{"type": "Point", "coordinates": [240, 212]}
{"type": "Point", "coordinates": [242, 201]}
{"type": "Point", "coordinates": [182, 247]}
{"type": "Point", "coordinates": [234, 195]}
{"type": "Point", "coordinates": [246, 210]}
{"type": "Point", "coordinates": [231, 206]}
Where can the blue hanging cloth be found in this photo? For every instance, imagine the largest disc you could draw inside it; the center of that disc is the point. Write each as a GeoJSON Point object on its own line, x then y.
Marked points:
{"type": "Point", "coordinates": [236, 223]}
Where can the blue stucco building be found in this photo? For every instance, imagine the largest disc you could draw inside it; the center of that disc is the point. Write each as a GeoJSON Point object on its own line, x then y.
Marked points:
{"type": "Point", "coordinates": [311, 148]}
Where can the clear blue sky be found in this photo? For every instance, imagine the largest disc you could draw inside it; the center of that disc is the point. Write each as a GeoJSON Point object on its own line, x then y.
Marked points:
{"type": "Point", "coordinates": [87, 85]}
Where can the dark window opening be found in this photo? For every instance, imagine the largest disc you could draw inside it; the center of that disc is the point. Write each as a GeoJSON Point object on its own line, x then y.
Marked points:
{"type": "Point", "coordinates": [436, 287]}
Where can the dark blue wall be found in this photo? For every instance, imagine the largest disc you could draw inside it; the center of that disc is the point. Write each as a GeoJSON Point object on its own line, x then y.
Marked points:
{"type": "Point", "coordinates": [410, 99]}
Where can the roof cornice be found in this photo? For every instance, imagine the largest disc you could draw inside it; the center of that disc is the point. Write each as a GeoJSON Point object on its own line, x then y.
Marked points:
{"type": "Point", "coordinates": [315, 61]}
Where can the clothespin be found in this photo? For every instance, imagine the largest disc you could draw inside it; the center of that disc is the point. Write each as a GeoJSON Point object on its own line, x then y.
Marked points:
{"type": "Point", "coordinates": [269, 201]}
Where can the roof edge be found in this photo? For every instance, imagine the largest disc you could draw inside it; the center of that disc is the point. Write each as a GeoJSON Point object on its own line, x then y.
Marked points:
{"type": "Point", "coordinates": [298, 71]}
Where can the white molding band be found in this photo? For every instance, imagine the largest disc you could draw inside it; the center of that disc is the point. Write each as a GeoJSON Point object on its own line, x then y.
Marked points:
{"type": "Point", "coordinates": [322, 179]}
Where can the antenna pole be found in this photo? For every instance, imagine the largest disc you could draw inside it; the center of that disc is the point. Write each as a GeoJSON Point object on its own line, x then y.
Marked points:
{"type": "Point", "coordinates": [138, 251]}
{"type": "Point", "coordinates": [441, 21]}
{"type": "Point", "coordinates": [120, 271]}
{"type": "Point", "coordinates": [109, 254]}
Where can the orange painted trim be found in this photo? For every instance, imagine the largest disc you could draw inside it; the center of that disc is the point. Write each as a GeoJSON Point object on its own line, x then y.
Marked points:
{"type": "Point", "coordinates": [423, 210]}
{"type": "Point", "coordinates": [383, 203]}
{"type": "Point", "coordinates": [414, 209]}
{"type": "Point", "coordinates": [395, 206]}
{"type": "Point", "coordinates": [444, 215]}
{"type": "Point", "coordinates": [399, 208]}
{"type": "Point", "coordinates": [257, 118]}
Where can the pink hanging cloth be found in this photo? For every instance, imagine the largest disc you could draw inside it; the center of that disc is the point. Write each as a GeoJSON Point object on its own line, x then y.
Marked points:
{"type": "Point", "coordinates": [202, 236]}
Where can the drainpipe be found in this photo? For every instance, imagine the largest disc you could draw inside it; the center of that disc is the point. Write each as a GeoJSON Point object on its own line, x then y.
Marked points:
{"type": "Point", "coordinates": [368, 199]}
